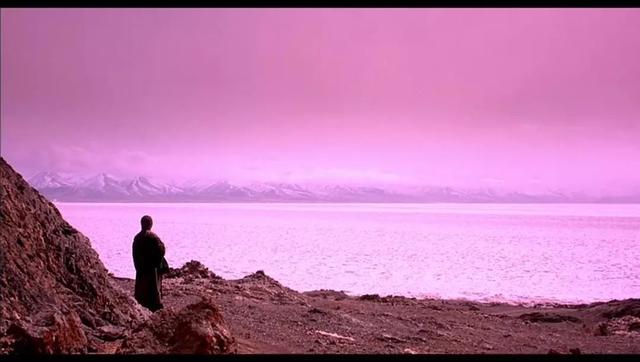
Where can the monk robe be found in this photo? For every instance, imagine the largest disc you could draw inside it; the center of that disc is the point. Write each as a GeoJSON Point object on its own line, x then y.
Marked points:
{"type": "Point", "coordinates": [148, 251]}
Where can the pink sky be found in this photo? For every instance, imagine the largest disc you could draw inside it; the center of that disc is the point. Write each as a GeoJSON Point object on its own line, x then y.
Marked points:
{"type": "Point", "coordinates": [512, 98]}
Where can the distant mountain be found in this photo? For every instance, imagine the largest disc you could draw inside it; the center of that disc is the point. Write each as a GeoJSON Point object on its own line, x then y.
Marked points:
{"type": "Point", "coordinates": [342, 193]}
{"type": "Point", "coordinates": [108, 188]}
{"type": "Point", "coordinates": [52, 180]}
{"type": "Point", "coordinates": [272, 191]}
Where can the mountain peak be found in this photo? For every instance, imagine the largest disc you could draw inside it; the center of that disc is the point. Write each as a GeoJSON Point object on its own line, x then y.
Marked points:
{"type": "Point", "coordinates": [107, 187]}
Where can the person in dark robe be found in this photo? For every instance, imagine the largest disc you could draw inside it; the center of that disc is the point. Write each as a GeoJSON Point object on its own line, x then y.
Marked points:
{"type": "Point", "coordinates": [148, 254]}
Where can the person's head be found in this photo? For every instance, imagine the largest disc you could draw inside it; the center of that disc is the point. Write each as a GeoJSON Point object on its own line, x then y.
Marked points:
{"type": "Point", "coordinates": [146, 222]}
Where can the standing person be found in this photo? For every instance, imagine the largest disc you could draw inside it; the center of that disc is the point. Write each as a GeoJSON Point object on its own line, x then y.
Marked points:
{"type": "Point", "coordinates": [148, 253]}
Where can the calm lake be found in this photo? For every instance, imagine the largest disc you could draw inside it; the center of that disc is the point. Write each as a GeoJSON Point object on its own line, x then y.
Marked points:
{"type": "Point", "coordinates": [489, 252]}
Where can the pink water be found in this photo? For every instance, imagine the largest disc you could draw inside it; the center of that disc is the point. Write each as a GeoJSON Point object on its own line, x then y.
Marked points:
{"type": "Point", "coordinates": [506, 252]}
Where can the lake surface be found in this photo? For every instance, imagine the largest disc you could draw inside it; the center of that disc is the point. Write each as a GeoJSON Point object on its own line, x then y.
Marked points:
{"type": "Point", "coordinates": [520, 253]}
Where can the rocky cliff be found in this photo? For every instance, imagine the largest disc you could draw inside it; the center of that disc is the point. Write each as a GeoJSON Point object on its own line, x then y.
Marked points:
{"type": "Point", "coordinates": [56, 296]}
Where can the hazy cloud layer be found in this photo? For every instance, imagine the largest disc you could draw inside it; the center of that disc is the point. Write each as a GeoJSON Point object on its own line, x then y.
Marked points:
{"type": "Point", "coordinates": [509, 98]}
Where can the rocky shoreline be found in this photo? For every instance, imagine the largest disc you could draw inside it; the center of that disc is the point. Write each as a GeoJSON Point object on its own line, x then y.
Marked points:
{"type": "Point", "coordinates": [56, 296]}
{"type": "Point", "coordinates": [267, 317]}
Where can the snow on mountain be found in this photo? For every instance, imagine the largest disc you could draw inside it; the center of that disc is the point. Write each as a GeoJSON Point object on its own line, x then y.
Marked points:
{"type": "Point", "coordinates": [222, 191]}
{"type": "Point", "coordinates": [194, 185]}
{"type": "Point", "coordinates": [45, 180]}
{"type": "Point", "coordinates": [351, 193]}
{"type": "Point", "coordinates": [142, 186]}
{"type": "Point", "coordinates": [268, 191]}
{"type": "Point", "coordinates": [101, 182]}
{"type": "Point", "coordinates": [101, 187]}
{"type": "Point", "coordinates": [335, 192]}
{"type": "Point", "coordinates": [108, 188]}
{"type": "Point", "coordinates": [172, 189]}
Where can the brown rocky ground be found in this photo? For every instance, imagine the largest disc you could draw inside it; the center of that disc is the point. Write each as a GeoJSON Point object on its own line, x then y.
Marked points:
{"type": "Point", "coordinates": [266, 317]}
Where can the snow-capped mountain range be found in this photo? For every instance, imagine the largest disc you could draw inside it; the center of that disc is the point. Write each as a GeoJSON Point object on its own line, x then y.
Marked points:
{"type": "Point", "coordinates": [108, 188]}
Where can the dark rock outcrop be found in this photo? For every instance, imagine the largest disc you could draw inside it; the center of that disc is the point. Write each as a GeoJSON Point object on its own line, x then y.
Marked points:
{"type": "Point", "coordinates": [51, 332]}
{"type": "Point", "coordinates": [196, 329]}
{"type": "Point", "coordinates": [47, 265]}
{"type": "Point", "coordinates": [192, 269]}
{"type": "Point", "coordinates": [549, 318]}
{"type": "Point", "coordinates": [56, 296]}
{"type": "Point", "coordinates": [325, 293]}
{"type": "Point", "coordinates": [261, 282]}
{"type": "Point", "coordinates": [618, 309]}
{"type": "Point", "coordinates": [372, 297]}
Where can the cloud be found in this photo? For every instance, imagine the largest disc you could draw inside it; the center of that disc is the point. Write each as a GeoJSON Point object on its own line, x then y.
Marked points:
{"type": "Point", "coordinates": [83, 161]}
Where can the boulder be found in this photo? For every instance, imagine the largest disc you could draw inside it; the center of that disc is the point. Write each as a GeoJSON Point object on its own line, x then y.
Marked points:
{"type": "Point", "coordinates": [51, 332]}
{"type": "Point", "coordinates": [198, 328]}
{"type": "Point", "coordinates": [373, 297]}
{"type": "Point", "coordinates": [191, 269]}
